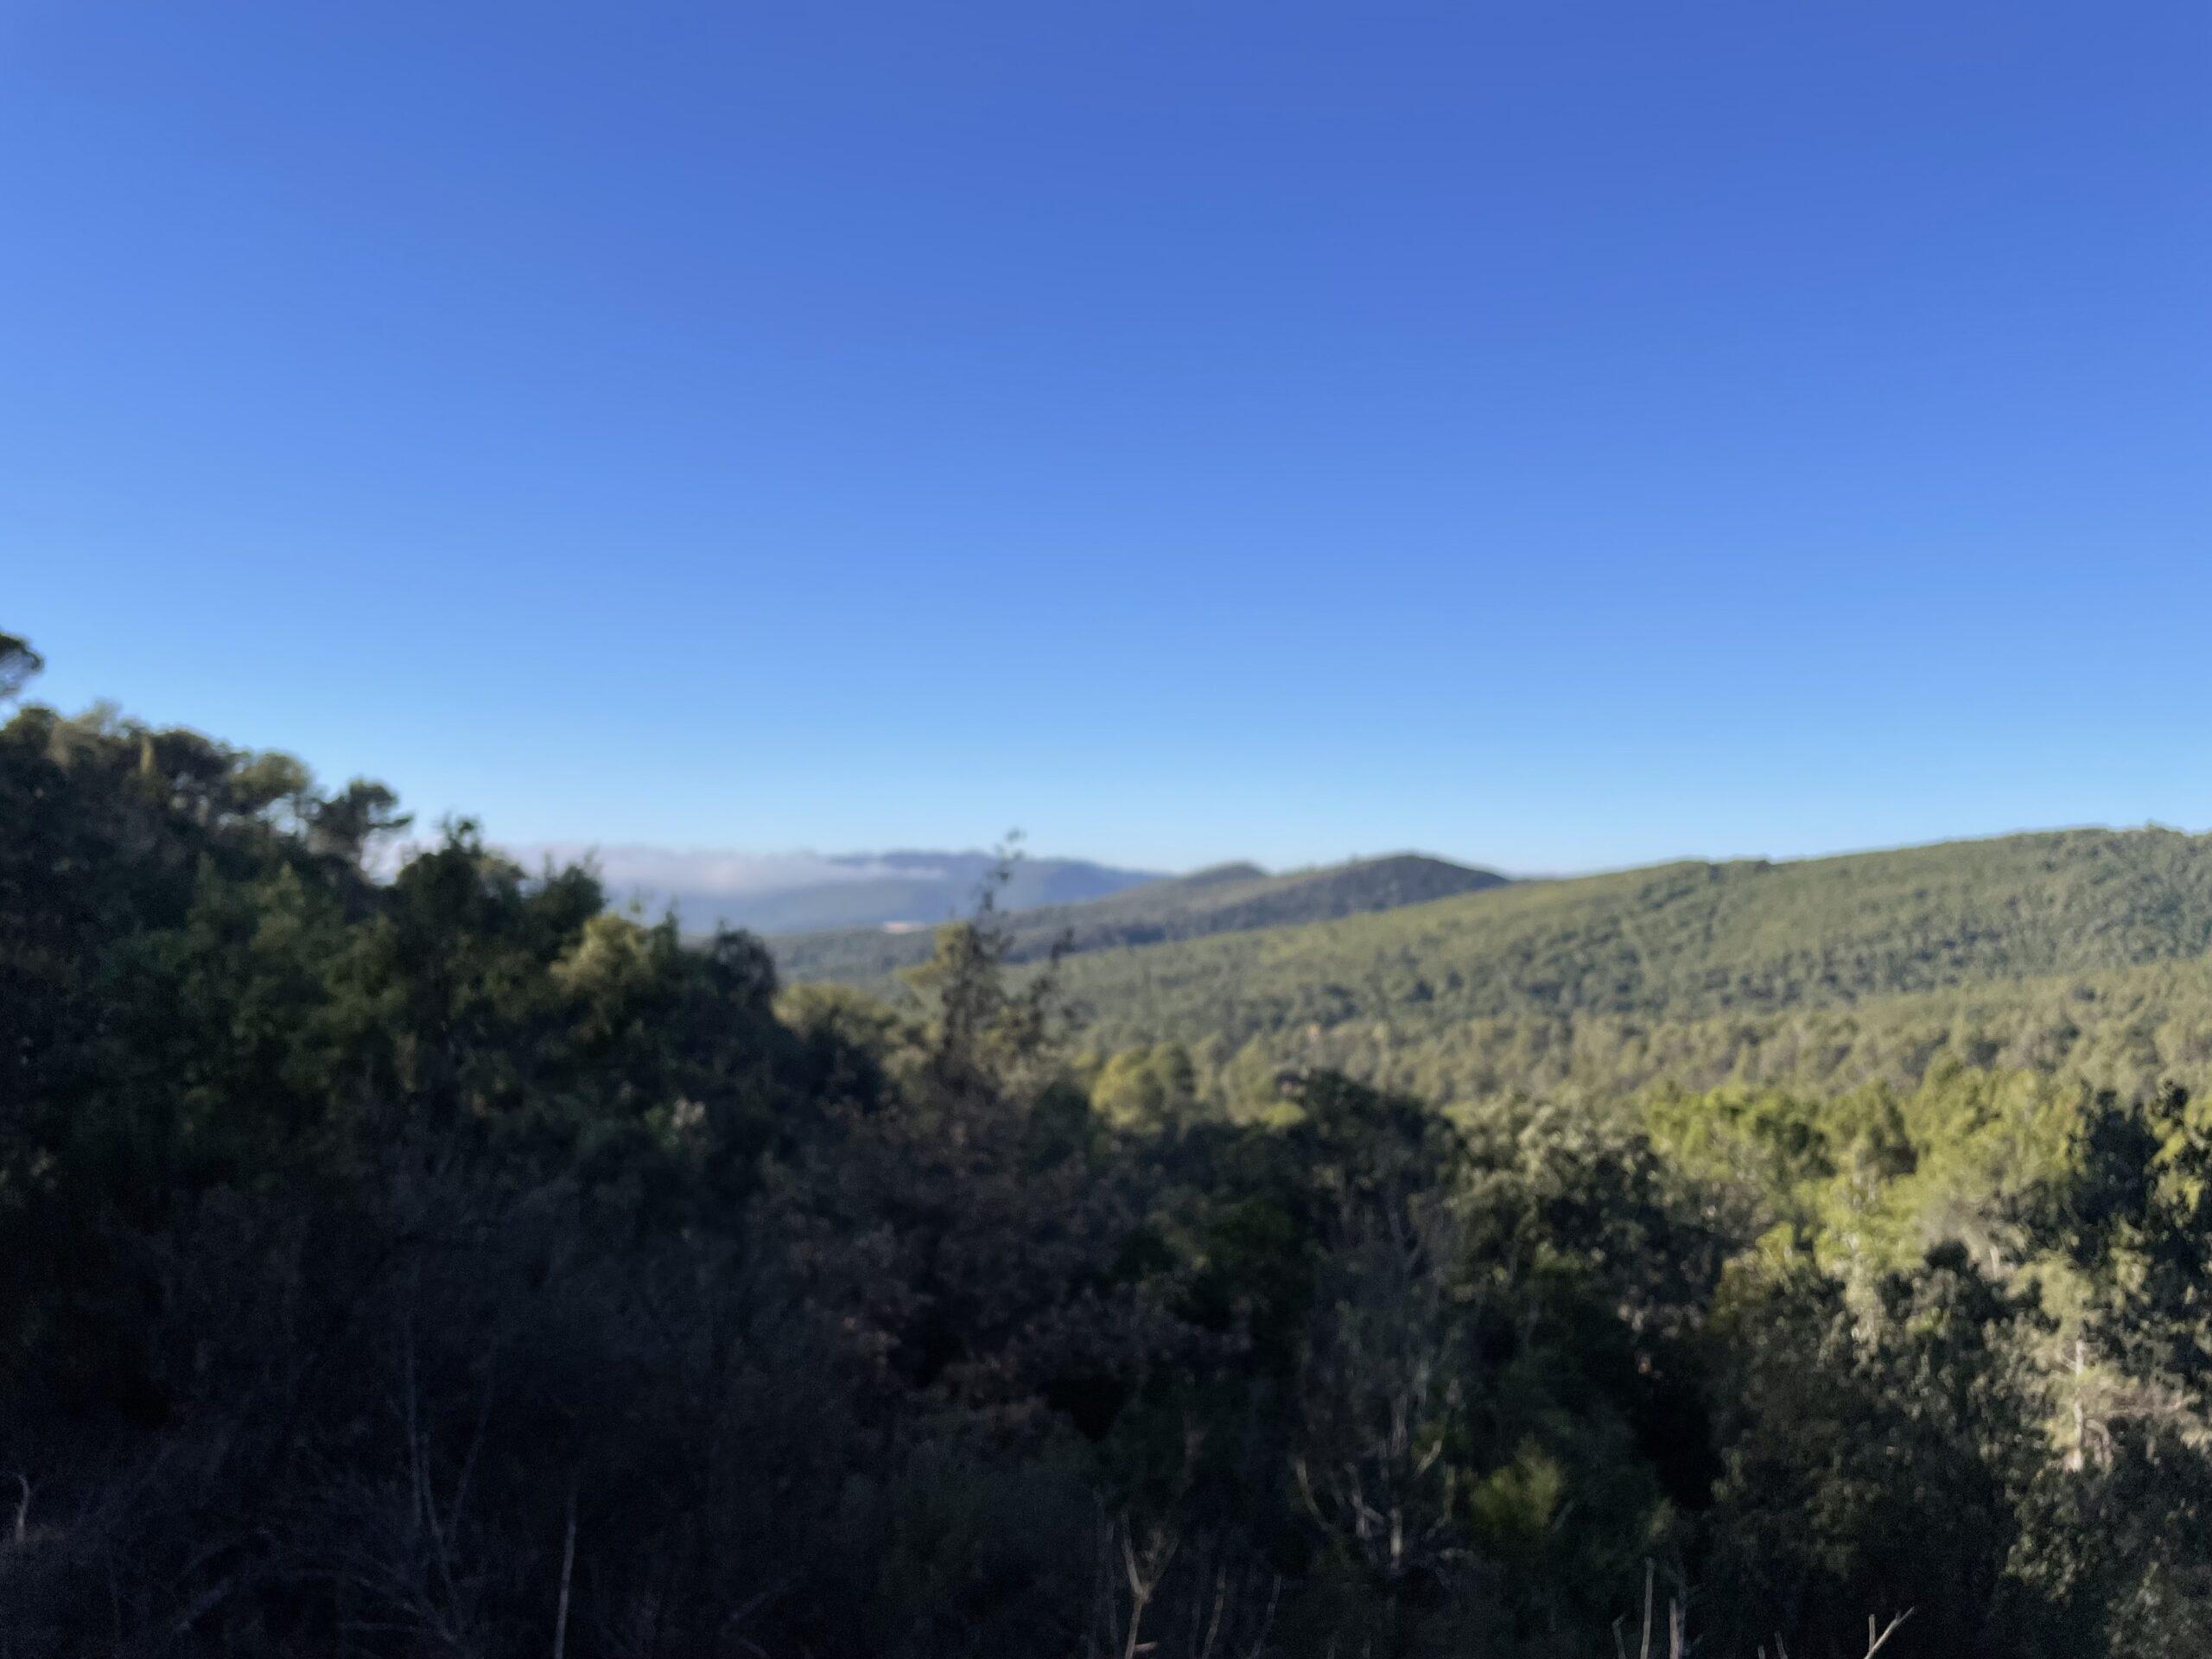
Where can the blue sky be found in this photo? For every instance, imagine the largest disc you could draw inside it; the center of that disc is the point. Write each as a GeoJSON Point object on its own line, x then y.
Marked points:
{"type": "Point", "coordinates": [1555, 435]}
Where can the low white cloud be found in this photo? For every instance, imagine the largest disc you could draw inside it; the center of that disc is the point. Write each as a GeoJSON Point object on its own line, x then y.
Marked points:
{"type": "Point", "coordinates": [700, 870]}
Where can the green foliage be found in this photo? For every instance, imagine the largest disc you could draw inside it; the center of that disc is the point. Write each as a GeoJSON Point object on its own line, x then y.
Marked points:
{"type": "Point", "coordinates": [1149, 1091]}
{"type": "Point", "coordinates": [2131, 1210]}
{"type": "Point", "coordinates": [1877, 1458]}
{"type": "Point", "coordinates": [19, 665]}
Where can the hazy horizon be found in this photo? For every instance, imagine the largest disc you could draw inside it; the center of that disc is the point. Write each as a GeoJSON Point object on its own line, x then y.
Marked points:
{"type": "Point", "coordinates": [742, 872]}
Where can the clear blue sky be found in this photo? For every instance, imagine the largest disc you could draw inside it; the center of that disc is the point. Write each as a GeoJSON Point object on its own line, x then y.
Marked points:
{"type": "Point", "coordinates": [1559, 434]}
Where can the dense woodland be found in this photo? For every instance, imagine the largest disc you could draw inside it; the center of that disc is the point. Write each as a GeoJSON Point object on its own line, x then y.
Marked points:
{"type": "Point", "coordinates": [2079, 953]}
{"type": "Point", "coordinates": [446, 1264]}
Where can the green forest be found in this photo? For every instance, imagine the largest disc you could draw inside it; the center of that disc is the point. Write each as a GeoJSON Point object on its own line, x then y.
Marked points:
{"type": "Point", "coordinates": [2079, 953]}
{"type": "Point", "coordinates": [1744, 1260]}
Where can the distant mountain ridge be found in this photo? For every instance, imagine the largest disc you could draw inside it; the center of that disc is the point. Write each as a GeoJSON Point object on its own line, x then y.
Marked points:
{"type": "Point", "coordinates": [1227, 898]}
{"type": "Point", "coordinates": [878, 890]}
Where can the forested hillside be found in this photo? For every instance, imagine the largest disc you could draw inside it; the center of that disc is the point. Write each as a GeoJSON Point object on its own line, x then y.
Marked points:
{"type": "Point", "coordinates": [2038, 948]}
{"type": "Point", "coordinates": [446, 1264]}
{"type": "Point", "coordinates": [1229, 898]}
